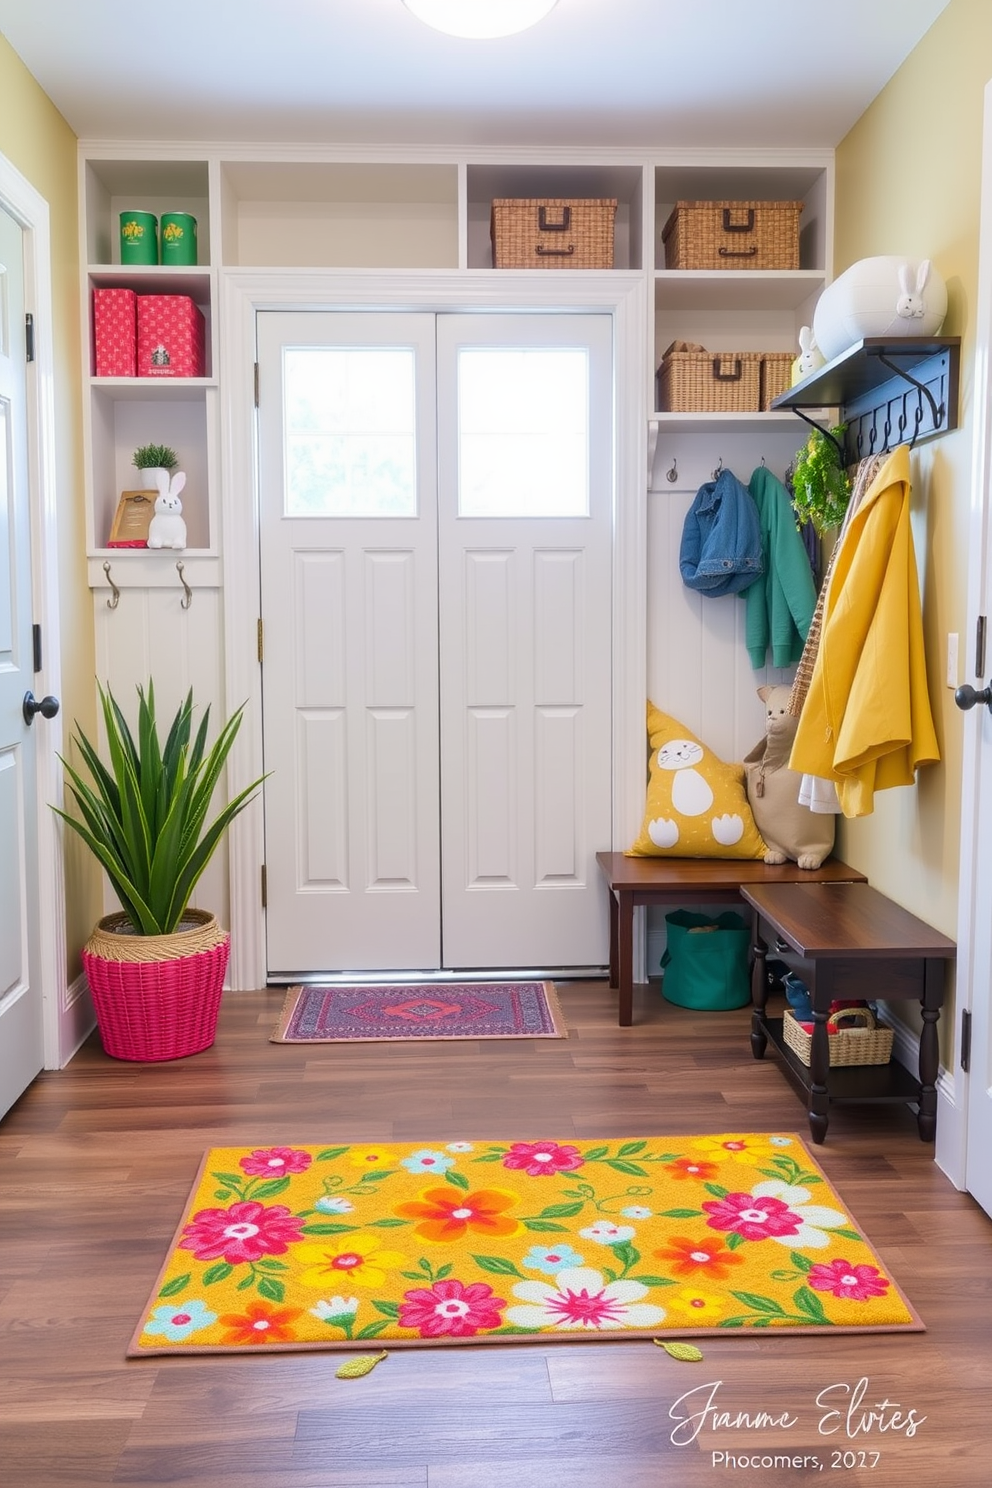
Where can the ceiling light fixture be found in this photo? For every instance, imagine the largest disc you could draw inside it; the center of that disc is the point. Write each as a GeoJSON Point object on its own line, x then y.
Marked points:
{"type": "Point", "coordinates": [480, 19]}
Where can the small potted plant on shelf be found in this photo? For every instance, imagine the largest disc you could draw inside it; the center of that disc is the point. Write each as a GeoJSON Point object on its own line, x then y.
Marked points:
{"type": "Point", "coordinates": [149, 459]}
{"type": "Point", "coordinates": [155, 969]}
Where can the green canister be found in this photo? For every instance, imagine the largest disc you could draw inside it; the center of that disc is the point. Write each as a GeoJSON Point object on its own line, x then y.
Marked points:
{"type": "Point", "coordinates": [139, 239]}
{"type": "Point", "coordinates": [178, 238]}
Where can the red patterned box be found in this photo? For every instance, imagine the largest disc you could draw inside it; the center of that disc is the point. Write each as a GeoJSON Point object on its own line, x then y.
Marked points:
{"type": "Point", "coordinates": [171, 337]}
{"type": "Point", "coordinates": [114, 332]}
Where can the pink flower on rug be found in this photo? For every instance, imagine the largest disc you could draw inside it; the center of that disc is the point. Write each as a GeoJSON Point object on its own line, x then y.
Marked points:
{"type": "Point", "coordinates": [579, 1298]}
{"type": "Point", "coordinates": [246, 1231]}
{"type": "Point", "coordinates": [752, 1218]}
{"type": "Point", "coordinates": [273, 1162]}
{"type": "Point", "coordinates": [538, 1159]}
{"type": "Point", "coordinates": [852, 1283]}
{"type": "Point", "coordinates": [451, 1309]}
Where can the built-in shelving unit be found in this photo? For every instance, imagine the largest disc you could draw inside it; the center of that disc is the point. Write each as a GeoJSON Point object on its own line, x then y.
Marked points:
{"type": "Point", "coordinates": [419, 211]}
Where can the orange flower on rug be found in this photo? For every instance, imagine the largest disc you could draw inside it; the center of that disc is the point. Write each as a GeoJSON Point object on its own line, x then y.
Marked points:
{"type": "Point", "coordinates": [453, 1242]}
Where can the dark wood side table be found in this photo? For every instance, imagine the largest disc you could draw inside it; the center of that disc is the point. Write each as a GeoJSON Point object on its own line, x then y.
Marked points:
{"type": "Point", "coordinates": [685, 881]}
{"type": "Point", "coordinates": [849, 941]}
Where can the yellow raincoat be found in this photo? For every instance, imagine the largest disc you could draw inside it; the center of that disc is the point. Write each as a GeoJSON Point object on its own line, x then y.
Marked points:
{"type": "Point", "coordinates": [866, 722]}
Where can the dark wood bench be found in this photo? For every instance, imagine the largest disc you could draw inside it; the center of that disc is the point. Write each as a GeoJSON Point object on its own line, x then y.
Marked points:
{"type": "Point", "coordinates": [846, 940]}
{"type": "Point", "coordinates": [686, 881]}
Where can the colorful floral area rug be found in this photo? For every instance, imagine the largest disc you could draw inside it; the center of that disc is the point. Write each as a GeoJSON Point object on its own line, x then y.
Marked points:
{"type": "Point", "coordinates": [460, 1242]}
{"type": "Point", "coordinates": [456, 1010]}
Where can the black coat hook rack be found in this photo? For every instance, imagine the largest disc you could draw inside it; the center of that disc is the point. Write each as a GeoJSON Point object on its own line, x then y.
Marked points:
{"type": "Point", "coordinates": [887, 390]}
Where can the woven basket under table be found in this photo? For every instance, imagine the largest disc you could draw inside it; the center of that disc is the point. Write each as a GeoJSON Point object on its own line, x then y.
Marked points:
{"type": "Point", "coordinates": [868, 1043]}
{"type": "Point", "coordinates": [553, 233]}
{"type": "Point", "coordinates": [733, 235]}
{"type": "Point", "coordinates": [157, 996]}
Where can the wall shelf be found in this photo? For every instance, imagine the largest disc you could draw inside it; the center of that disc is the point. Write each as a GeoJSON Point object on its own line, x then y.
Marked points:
{"type": "Point", "coordinates": [888, 391]}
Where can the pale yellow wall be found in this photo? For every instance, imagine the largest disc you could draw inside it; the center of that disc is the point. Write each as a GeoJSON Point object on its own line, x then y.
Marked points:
{"type": "Point", "coordinates": [908, 181]}
{"type": "Point", "coordinates": [37, 141]}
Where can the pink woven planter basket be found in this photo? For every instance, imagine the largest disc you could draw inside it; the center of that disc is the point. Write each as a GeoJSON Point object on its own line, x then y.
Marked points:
{"type": "Point", "coordinates": [157, 996]}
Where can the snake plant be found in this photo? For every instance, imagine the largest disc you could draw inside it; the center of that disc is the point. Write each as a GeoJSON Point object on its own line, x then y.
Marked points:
{"type": "Point", "coordinates": [144, 817]}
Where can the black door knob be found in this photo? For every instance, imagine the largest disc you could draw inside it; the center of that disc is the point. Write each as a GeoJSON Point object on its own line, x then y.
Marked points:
{"type": "Point", "coordinates": [48, 707]}
{"type": "Point", "coordinates": [966, 697]}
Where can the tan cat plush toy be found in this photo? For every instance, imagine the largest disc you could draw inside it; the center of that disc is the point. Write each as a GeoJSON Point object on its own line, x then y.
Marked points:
{"type": "Point", "coordinates": [789, 829]}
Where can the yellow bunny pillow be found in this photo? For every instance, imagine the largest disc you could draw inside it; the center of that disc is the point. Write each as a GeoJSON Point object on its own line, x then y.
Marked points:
{"type": "Point", "coordinates": [696, 805]}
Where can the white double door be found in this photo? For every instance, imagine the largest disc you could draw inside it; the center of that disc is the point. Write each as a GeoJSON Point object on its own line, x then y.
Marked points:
{"type": "Point", "coordinates": [436, 497]}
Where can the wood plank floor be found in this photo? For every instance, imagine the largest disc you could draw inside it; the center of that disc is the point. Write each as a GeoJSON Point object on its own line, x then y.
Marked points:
{"type": "Point", "coordinates": [96, 1162]}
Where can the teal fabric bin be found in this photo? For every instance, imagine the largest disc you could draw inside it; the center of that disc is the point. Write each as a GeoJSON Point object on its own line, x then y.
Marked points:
{"type": "Point", "coordinates": [707, 961]}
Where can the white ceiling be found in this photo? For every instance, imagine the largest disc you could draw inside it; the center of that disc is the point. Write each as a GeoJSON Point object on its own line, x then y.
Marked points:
{"type": "Point", "coordinates": [594, 72]}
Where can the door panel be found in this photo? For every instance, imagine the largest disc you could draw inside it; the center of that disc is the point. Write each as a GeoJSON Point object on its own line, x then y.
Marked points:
{"type": "Point", "coordinates": [21, 1042]}
{"type": "Point", "coordinates": [525, 606]}
{"type": "Point", "coordinates": [349, 609]}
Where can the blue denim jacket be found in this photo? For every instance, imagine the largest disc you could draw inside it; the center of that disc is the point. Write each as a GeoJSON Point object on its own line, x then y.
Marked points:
{"type": "Point", "coordinates": [721, 539]}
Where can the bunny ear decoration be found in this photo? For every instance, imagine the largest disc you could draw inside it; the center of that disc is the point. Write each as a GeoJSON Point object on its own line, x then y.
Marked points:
{"type": "Point", "coordinates": [177, 483]}
{"type": "Point", "coordinates": [922, 275]}
{"type": "Point", "coordinates": [162, 482]}
{"type": "Point", "coordinates": [805, 338]}
{"type": "Point", "coordinates": [906, 278]}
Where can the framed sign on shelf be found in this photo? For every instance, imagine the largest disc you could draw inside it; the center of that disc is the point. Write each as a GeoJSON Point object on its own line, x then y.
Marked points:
{"type": "Point", "coordinates": [132, 519]}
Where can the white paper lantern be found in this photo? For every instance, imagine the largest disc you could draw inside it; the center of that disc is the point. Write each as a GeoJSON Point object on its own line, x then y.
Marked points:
{"type": "Point", "coordinates": [883, 296]}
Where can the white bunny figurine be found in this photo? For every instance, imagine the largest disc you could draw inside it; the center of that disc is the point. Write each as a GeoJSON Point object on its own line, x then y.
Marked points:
{"type": "Point", "coordinates": [167, 528]}
{"type": "Point", "coordinates": [810, 358]}
{"type": "Point", "coordinates": [882, 296]}
{"type": "Point", "coordinates": [911, 304]}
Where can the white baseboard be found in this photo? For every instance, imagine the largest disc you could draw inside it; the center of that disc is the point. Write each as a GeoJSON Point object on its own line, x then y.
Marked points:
{"type": "Point", "coordinates": [78, 1018]}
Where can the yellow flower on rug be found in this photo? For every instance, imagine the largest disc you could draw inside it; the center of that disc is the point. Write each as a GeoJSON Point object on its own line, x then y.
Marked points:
{"type": "Point", "coordinates": [316, 1246]}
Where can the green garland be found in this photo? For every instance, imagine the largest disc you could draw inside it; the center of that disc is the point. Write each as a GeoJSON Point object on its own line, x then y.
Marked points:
{"type": "Point", "coordinates": [820, 484]}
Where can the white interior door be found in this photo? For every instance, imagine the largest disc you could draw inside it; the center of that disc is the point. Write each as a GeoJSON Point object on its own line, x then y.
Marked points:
{"type": "Point", "coordinates": [21, 1039]}
{"type": "Point", "coordinates": [525, 454]}
{"type": "Point", "coordinates": [349, 610]}
{"type": "Point", "coordinates": [974, 981]}
{"type": "Point", "coordinates": [436, 516]}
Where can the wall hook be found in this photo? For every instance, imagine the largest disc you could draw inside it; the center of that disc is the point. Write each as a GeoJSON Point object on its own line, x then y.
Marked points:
{"type": "Point", "coordinates": [187, 598]}
{"type": "Point", "coordinates": [113, 602]}
{"type": "Point", "coordinates": [719, 467]}
{"type": "Point", "coordinates": [672, 474]}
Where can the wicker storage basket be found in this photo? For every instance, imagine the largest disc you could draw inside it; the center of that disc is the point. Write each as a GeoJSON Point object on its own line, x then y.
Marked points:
{"type": "Point", "coordinates": [869, 1043]}
{"type": "Point", "coordinates": [732, 235]}
{"type": "Point", "coordinates": [709, 382]}
{"type": "Point", "coordinates": [552, 233]}
{"type": "Point", "coordinates": [156, 996]}
{"type": "Point", "coordinates": [776, 375]}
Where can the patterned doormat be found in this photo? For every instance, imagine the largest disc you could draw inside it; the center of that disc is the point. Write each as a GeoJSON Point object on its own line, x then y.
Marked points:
{"type": "Point", "coordinates": [452, 1010]}
{"type": "Point", "coordinates": [514, 1241]}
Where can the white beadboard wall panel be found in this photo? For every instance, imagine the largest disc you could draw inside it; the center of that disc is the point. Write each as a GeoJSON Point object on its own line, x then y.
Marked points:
{"type": "Point", "coordinates": [149, 636]}
{"type": "Point", "coordinates": [392, 797]}
{"type": "Point", "coordinates": [319, 653]}
{"type": "Point", "coordinates": [698, 668]}
{"type": "Point", "coordinates": [322, 776]}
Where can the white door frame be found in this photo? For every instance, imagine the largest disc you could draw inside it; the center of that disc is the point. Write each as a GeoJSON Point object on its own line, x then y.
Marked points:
{"type": "Point", "coordinates": [973, 985]}
{"type": "Point", "coordinates": [20, 199]}
{"type": "Point", "coordinates": [620, 294]}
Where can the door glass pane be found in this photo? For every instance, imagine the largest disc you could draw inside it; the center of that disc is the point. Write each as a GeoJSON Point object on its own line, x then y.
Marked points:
{"type": "Point", "coordinates": [523, 432]}
{"type": "Point", "coordinates": [348, 418]}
